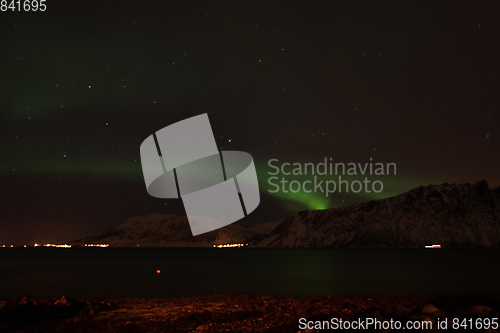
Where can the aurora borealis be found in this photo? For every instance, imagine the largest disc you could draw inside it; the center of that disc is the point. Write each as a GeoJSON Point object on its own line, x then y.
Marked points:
{"type": "Point", "coordinates": [84, 83]}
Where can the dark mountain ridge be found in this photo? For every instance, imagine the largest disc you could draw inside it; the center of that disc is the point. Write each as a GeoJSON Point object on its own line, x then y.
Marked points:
{"type": "Point", "coordinates": [463, 215]}
{"type": "Point", "coordinates": [159, 230]}
{"type": "Point", "coordinates": [452, 215]}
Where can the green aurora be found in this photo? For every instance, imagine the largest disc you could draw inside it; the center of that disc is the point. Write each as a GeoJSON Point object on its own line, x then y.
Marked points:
{"type": "Point", "coordinates": [124, 170]}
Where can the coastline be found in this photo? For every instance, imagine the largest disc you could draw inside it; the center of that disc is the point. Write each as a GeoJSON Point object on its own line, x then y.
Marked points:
{"type": "Point", "coordinates": [233, 313]}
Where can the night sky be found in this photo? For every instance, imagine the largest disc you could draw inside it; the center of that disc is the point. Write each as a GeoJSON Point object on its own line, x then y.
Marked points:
{"type": "Point", "coordinates": [85, 82]}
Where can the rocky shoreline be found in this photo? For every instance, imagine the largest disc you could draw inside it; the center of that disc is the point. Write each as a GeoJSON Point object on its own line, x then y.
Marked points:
{"type": "Point", "coordinates": [235, 313]}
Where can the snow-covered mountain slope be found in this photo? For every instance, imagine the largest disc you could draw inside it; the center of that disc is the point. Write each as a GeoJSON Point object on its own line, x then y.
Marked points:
{"type": "Point", "coordinates": [462, 215]}
{"type": "Point", "coordinates": [159, 230]}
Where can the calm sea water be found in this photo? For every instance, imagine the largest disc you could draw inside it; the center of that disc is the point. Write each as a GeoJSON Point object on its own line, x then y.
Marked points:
{"type": "Point", "coordinates": [132, 272]}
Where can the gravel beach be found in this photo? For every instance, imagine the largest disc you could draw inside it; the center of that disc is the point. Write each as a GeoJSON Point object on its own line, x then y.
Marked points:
{"type": "Point", "coordinates": [244, 313]}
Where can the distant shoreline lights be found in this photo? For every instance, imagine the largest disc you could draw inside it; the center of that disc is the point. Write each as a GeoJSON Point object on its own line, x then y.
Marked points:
{"type": "Point", "coordinates": [66, 246]}
{"type": "Point", "coordinates": [220, 246]}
